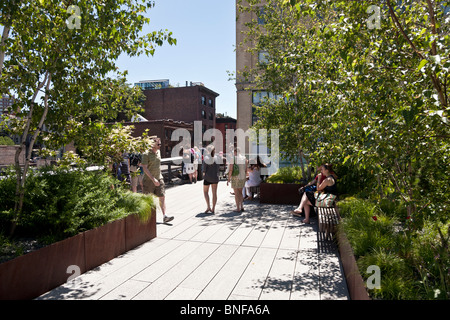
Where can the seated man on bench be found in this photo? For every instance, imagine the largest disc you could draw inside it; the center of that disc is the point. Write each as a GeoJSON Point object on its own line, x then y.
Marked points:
{"type": "Point", "coordinates": [329, 185]}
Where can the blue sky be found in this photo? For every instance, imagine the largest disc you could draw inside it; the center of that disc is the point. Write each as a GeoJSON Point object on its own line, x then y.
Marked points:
{"type": "Point", "coordinates": [206, 37]}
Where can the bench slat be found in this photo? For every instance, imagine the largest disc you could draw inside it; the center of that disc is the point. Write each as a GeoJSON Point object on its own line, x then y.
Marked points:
{"type": "Point", "coordinates": [328, 219]}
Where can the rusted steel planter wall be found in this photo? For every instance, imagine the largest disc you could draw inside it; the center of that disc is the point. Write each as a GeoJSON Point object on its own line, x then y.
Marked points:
{"type": "Point", "coordinates": [30, 275]}
{"type": "Point", "coordinates": [355, 283]}
{"type": "Point", "coordinates": [276, 193]}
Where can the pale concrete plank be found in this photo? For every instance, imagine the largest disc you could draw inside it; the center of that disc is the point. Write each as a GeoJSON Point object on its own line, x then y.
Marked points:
{"type": "Point", "coordinates": [192, 231]}
{"type": "Point", "coordinates": [332, 283]}
{"type": "Point", "coordinates": [291, 235]}
{"type": "Point", "coordinates": [97, 282]}
{"type": "Point", "coordinates": [240, 233]}
{"type": "Point", "coordinates": [126, 290]}
{"type": "Point", "coordinates": [252, 281]}
{"type": "Point", "coordinates": [161, 288]}
{"type": "Point", "coordinates": [306, 284]}
{"type": "Point", "coordinates": [157, 269]}
{"type": "Point", "coordinates": [238, 297]}
{"type": "Point", "coordinates": [279, 281]}
{"type": "Point", "coordinates": [175, 228]}
{"type": "Point", "coordinates": [225, 280]}
{"type": "Point", "coordinates": [114, 279]}
{"type": "Point", "coordinates": [206, 234]}
{"type": "Point", "coordinates": [275, 234]}
{"type": "Point", "coordinates": [258, 234]}
{"type": "Point", "coordinates": [308, 236]}
{"type": "Point", "coordinates": [225, 232]}
{"type": "Point", "coordinates": [181, 293]}
{"type": "Point", "coordinates": [201, 276]}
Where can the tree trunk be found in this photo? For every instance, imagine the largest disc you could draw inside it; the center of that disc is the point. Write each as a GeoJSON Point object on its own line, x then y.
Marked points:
{"type": "Point", "coordinates": [302, 164]}
{"type": "Point", "coordinates": [22, 176]}
{"type": "Point", "coordinates": [5, 36]}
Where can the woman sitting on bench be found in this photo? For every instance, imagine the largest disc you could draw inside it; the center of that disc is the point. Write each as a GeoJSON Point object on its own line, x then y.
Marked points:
{"type": "Point", "coordinates": [329, 185]}
{"type": "Point", "coordinates": [254, 179]}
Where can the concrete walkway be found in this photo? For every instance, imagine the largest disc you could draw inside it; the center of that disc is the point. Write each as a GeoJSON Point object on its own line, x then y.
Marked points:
{"type": "Point", "coordinates": [262, 253]}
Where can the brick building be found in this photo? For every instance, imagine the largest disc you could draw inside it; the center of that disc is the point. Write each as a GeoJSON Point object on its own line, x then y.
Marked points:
{"type": "Point", "coordinates": [5, 103]}
{"type": "Point", "coordinates": [223, 124]}
{"type": "Point", "coordinates": [163, 129]}
{"type": "Point", "coordinates": [194, 102]}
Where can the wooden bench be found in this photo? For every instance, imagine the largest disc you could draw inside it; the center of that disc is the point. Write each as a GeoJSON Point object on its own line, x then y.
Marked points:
{"type": "Point", "coordinates": [255, 190]}
{"type": "Point", "coordinates": [328, 220]}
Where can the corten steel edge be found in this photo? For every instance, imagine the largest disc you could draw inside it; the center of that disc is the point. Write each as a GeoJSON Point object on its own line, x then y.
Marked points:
{"type": "Point", "coordinates": [31, 275]}
{"type": "Point", "coordinates": [355, 283]}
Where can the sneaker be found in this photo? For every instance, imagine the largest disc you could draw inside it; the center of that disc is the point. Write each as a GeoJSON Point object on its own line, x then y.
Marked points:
{"type": "Point", "coordinates": [167, 219]}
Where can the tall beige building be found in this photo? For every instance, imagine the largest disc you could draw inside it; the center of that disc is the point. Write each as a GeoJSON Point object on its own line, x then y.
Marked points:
{"type": "Point", "coordinates": [244, 60]}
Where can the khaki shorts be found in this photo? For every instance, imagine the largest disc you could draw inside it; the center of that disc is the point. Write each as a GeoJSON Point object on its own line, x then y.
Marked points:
{"type": "Point", "coordinates": [135, 180]}
{"type": "Point", "coordinates": [149, 187]}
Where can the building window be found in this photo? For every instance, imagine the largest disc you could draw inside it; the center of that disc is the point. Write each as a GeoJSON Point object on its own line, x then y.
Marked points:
{"type": "Point", "coordinates": [203, 114]}
{"type": "Point", "coordinates": [203, 101]}
{"type": "Point", "coordinates": [168, 133]}
{"type": "Point", "coordinates": [254, 116]}
{"type": "Point", "coordinates": [259, 97]}
{"type": "Point", "coordinates": [210, 102]}
{"type": "Point", "coordinates": [261, 14]}
{"type": "Point", "coordinates": [263, 57]}
{"type": "Point", "coordinates": [211, 116]}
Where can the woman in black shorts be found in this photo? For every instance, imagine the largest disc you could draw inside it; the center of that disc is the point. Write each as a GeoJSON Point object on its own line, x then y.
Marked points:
{"type": "Point", "coordinates": [210, 177]}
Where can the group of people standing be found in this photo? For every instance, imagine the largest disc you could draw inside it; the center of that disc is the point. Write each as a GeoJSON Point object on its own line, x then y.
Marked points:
{"type": "Point", "coordinates": [146, 171]}
{"type": "Point", "coordinates": [239, 173]}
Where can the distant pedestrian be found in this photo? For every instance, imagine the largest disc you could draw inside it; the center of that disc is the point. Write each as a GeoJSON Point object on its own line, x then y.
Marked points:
{"type": "Point", "coordinates": [125, 169]}
{"type": "Point", "coordinates": [189, 164]}
{"type": "Point", "coordinates": [153, 180]}
{"type": "Point", "coordinates": [237, 175]}
{"type": "Point", "coordinates": [211, 168]}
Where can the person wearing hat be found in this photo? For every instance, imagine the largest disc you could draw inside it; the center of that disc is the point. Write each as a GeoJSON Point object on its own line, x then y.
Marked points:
{"type": "Point", "coordinates": [153, 180]}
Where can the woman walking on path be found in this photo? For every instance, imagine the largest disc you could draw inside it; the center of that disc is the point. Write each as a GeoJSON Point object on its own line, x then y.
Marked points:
{"type": "Point", "coordinates": [237, 175]}
{"type": "Point", "coordinates": [210, 168]}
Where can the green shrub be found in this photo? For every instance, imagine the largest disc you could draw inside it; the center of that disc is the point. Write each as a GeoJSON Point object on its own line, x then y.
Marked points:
{"type": "Point", "coordinates": [60, 203]}
{"type": "Point", "coordinates": [6, 141]}
{"type": "Point", "coordinates": [413, 262]}
{"type": "Point", "coordinates": [396, 275]}
{"type": "Point", "coordinates": [365, 226]}
{"type": "Point", "coordinates": [430, 255]}
{"type": "Point", "coordinates": [286, 175]}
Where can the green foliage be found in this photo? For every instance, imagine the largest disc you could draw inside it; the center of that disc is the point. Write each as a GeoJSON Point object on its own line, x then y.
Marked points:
{"type": "Point", "coordinates": [397, 277]}
{"type": "Point", "coordinates": [64, 77]}
{"type": "Point", "coordinates": [6, 141]}
{"type": "Point", "coordinates": [361, 215]}
{"type": "Point", "coordinates": [372, 99]}
{"type": "Point", "coordinates": [286, 175]}
{"type": "Point", "coordinates": [61, 203]}
{"type": "Point", "coordinates": [414, 265]}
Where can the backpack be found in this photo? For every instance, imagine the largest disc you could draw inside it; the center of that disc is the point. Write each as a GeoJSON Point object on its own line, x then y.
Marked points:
{"type": "Point", "coordinates": [235, 171]}
{"type": "Point", "coordinates": [135, 159]}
